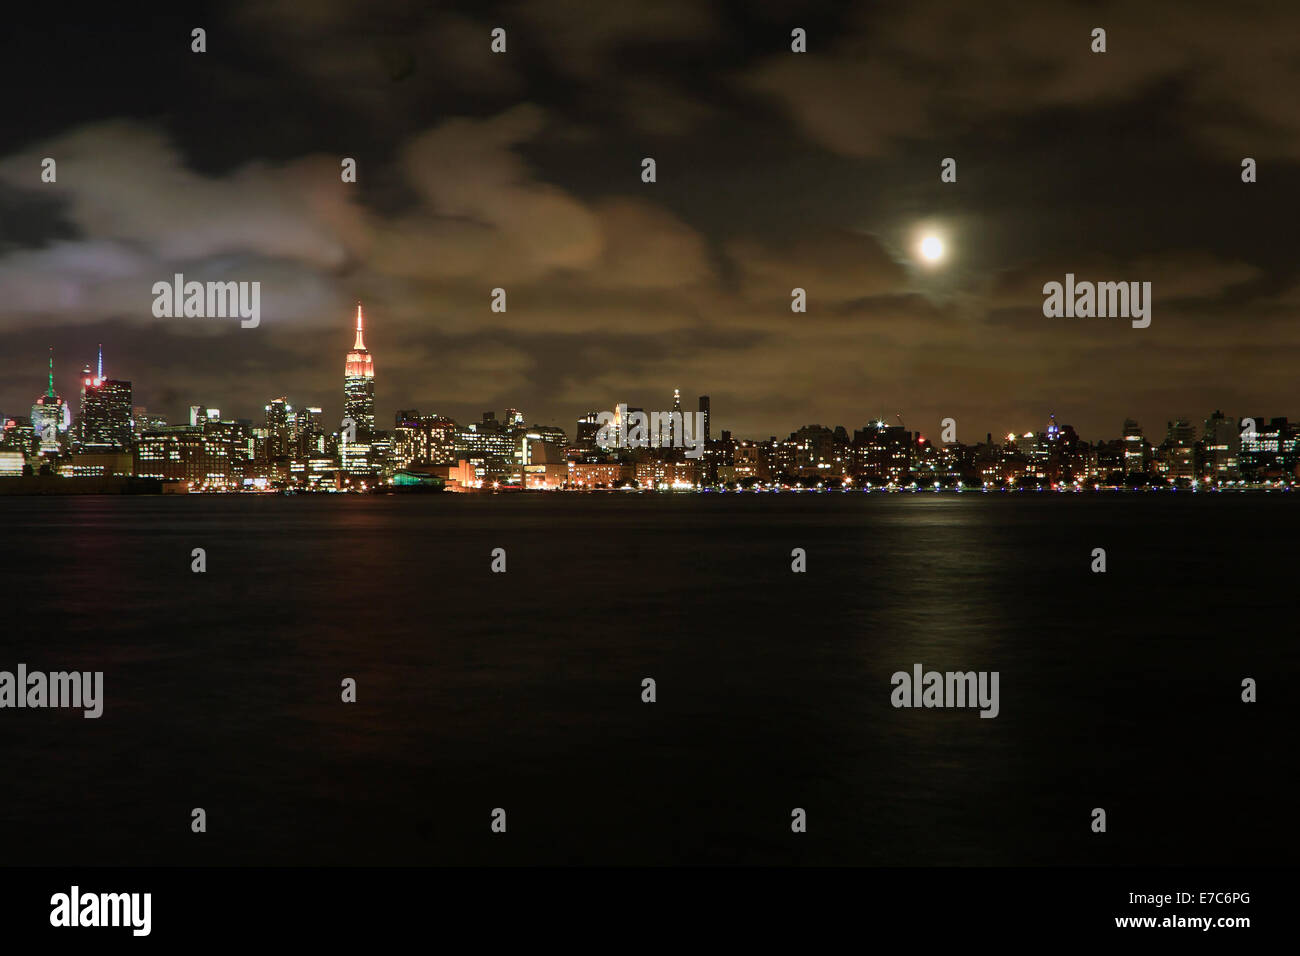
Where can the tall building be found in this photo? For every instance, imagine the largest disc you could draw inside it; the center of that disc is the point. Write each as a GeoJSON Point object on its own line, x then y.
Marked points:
{"type": "Point", "coordinates": [489, 441]}
{"type": "Point", "coordinates": [1066, 458]}
{"type": "Point", "coordinates": [586, 432]}
{"type": "Point", "coordinates": [810, 453]}
{"type": "Point", "coordinates": [359, 385]}
{"type": "Point", "coordinates": [1134, 448]}
{"type": "Point", "coordinates": [50, 416]}
{"type": "Point", "coordinates": [1222, 448]}
{"type": "Point", "coordinates": [424, 439]}
{"type": "Point", "coordinates": [1179, 450]}
{"type": "Point", "coordinates": [107, 422]}
{"type": "Point", "coordinates": [142, 421]}
{"type": "Point", "coordinates": [280, 421]}
{"type": "Point", "coordinates": [551, 434]}
{"type": "Point", "coordinates": [309, 433]}
{"type": "Point", "coordinates": [882, 453]}
{"type": "Point", "coordinates": [199, 454]}
{"type": "Point", "coordinates": [704, 412]}
{"type": "Point", "coordinates": [1266, 447]}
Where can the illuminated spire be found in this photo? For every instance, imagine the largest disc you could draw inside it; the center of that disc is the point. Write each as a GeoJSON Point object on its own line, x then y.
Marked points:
{"type": "Point", "coordinates": [360, 343]}
{"type": "Point", "coordinates": [100, 374]}
{"type": "Point", "coordinates": [50, 390]}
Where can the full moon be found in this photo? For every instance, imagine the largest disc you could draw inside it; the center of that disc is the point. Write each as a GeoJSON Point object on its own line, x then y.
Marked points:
{"type": "Point", "coordinates": [932, 248]}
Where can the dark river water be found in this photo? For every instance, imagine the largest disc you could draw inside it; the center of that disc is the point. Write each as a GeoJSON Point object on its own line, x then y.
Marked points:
{"type": "Point", "coordinates": [523, 690]}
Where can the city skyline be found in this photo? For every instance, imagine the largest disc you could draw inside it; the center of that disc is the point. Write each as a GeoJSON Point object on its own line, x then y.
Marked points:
{"type": "Point", "coordinates": [111, 437]}
{"type": "Point", "coordinates": [360, 374]}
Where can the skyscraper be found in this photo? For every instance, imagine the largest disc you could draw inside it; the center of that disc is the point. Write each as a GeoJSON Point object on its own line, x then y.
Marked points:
{"type": "Point", "coordinates": [106, 418]}
{"type": "Point", "coordinates": [359, 385]}
{"type": "Point", "coordinates": [1134, 448]}
{"type": "Point", "coordinates": [1179, 450]}
{"type": "Point", "coordinates": [309, 433]}
{"type": "Point", "coordinates": [1222, 448]}
{"type": "Point", "coordinates": [280, 420]}
{"type": "Point", "coordinates": [704, 411]}
{"type": "Point", "coordinates": [586, 432]}
{"type": "Point", "coordinates": [50, 416]}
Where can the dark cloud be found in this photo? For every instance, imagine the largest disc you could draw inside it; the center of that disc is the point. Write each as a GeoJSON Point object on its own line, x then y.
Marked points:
{"type": "Point", "coordinates": [898, 72]}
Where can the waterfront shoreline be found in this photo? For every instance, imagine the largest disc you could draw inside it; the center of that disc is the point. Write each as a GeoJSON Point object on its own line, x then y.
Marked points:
{"type": "Point", "coordinates": [44, 486]}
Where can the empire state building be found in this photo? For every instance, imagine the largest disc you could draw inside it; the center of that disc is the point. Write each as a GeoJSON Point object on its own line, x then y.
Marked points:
{"type": "Point", "coordinates": [359, 385]}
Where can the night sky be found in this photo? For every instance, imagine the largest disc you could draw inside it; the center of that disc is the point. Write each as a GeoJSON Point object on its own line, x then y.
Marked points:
{"type": "Point", "coordinates": [775, 170]}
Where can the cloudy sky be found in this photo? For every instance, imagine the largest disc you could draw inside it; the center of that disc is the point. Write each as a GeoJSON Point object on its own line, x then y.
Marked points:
{"type": "Point", "coordinates": [775, 170]}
